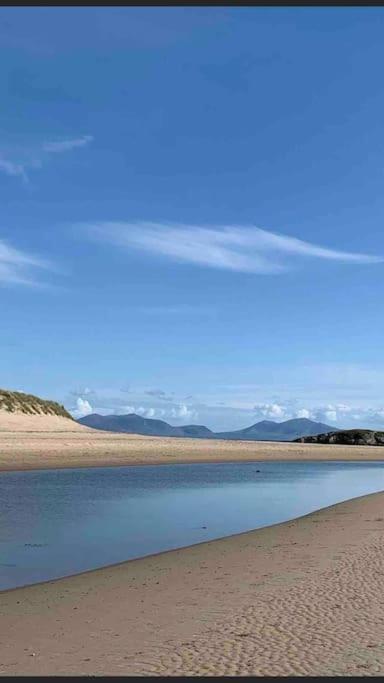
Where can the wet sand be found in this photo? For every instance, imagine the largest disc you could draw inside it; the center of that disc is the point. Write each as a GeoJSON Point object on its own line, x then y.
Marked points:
{"type": "Point", "coordinates": [299, 598]}
{"type": "Point", "coordinates": [85, 447]}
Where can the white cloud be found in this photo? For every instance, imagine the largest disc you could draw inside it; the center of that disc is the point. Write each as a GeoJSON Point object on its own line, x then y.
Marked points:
{"type": "Point", "coordinates": [183, 411]}
{"type": "Point", "coordinates": [126, 410]}
{"type": "Point", "coordinates": [270, 410]}
{"type": "Point", "coordinates": [59, 146]}
{"type": "Point", "coordinates": [19, 163]}
{"type": "Point", "coordinates": [18, 267]}
{"type": "Point", "coordinates": [239, 248]}
{"type": "Point", "coordinates": [83, 407]}
{"type": "Point", "coordinates": [338, 414]}
{"type": "Point", "coordinates": [345, 416]}
{"type": "Point", "coordinates": [304, 412]}
{"type": "Point", "coordinates": [237, 412]}
{"type": "Point", "coordinates": [177, 412]}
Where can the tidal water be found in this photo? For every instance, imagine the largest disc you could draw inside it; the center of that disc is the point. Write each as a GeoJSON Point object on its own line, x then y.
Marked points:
{"type": "Point", "coordinates": [55, 523]}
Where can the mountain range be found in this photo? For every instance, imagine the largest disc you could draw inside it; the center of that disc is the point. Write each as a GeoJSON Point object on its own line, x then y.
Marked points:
{"type": "Point", "coordinates": [266, 430]}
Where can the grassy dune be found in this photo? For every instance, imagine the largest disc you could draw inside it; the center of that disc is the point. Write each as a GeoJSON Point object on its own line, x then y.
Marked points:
{"type": "Point", "coordinates": [18, 402]}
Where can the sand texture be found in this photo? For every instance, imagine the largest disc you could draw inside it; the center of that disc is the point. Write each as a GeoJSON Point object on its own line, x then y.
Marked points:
{"type": "Point", "coordinates": [44, 441]}
{"type": "Point", "coordinates": [300, 598]}
{"type": "Point", "coordinates": [85, 447]}
{"type": "Point", "coordinates": [20, 422]}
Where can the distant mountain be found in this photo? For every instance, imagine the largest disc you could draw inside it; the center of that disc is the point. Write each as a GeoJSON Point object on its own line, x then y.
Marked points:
{"type": "Point", "coordinates": [267, 430]}
{"type": "Point", "coordinates": [135, 424]}
{"type": "Point", "coordinates": [261, 431]}
{"type": "Point", "coordinates": [348, 437]}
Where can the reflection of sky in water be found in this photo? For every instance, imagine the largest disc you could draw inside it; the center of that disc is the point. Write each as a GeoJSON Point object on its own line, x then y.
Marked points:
{"type": "Point", "coordinates": [84, 518]}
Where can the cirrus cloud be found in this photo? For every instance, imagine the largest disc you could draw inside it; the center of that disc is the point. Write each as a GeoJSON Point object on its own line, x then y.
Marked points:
{"type": "Point", "coordinates": [58, 146]}
{"type": "Point", "coordinates": [18, 267]}
{"type": "Point", "coordinates": [238, 248]}
{"type": "Point", "coordinates": [18, 162]}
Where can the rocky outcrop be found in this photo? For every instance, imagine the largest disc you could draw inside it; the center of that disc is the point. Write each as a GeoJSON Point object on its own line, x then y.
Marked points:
{"type": "Point", "coordinates": [347, 437]}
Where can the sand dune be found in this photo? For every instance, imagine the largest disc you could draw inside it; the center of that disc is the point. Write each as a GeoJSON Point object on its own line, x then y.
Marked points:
{"type": "Point", "coordinates": [20, 422]}
{"type": "Point", "coordinates": [299, 598]}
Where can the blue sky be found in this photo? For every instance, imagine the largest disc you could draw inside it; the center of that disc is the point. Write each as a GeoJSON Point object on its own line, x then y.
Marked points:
{"type": "Point", "coordinates": [192, 212]}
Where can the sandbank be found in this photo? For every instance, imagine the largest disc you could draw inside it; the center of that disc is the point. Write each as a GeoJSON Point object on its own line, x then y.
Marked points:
{"type": "Point", "coordinates": [299, 598]}
{"type": "Point", "coordinates": [84, 447]}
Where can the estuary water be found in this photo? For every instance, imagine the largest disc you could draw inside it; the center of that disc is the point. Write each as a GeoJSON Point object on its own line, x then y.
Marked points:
{"type": "Point", "coordinates": [54, 523]}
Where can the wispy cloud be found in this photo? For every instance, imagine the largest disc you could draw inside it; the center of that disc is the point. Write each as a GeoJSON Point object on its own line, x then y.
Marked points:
{"type": "Point", "coordinates": [13, 169]}
{"type": "Point", "coordinates": [19, 163]}
{"type": "Point", "coordinates": [239, 248]}
{"type": "Point", "coordinates": [66, 145]}
{"type": "Point", "coordinates": [18, 267]}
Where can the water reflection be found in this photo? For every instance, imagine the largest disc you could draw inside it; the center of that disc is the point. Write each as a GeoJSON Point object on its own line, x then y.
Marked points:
{"type": "Point", "coordinates": [59, 522]}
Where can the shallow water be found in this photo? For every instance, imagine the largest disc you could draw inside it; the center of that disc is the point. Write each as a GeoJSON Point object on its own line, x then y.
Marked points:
{"type": "Point", "coordinates": [59, 522]}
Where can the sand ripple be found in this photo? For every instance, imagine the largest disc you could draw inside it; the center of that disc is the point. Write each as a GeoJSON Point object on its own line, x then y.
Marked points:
{"type": "Point", "coordinates": [331, 625]}
{"type": "Point", "coordinates": [300, 598]}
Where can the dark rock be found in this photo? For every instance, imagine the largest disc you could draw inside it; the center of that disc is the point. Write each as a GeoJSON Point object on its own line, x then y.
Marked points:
{"type": "Point", "coordinates": [347, 437]}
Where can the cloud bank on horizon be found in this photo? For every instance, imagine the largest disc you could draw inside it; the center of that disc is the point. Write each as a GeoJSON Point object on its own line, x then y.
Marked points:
{"type": "Point", "coordinates": [180, 410]}
{"type": "Point", "coordinates": [238, 248]}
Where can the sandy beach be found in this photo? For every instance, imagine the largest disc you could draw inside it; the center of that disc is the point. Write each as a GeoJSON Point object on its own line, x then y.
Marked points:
{"type": "Point", "coordinates": [63, 443]}
{"type": "Point", "coordinates": [303, 597]}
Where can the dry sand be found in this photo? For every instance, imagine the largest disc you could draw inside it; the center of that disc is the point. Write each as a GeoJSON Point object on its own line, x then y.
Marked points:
{"type": "Point", "coordinates": [21, 422]}
{"type": "Point", "coordinates": [303, 597]}
{"type": "Point", "coordinates": [41, 441]}
{"type": "Point", "coordinates": [300, 598]}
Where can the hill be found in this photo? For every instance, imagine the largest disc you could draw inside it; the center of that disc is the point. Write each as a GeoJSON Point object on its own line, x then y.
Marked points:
{"type": "Point", "coordinates": [21, 412]}
{"type": "Point", "coordinates": [347, 437]}
{"type": "Point", "coordinates": [136, 424]}
{"type": "Point", "coordinates": [18, 402]}
{"type": "Point", "coordinates": [265, 430]}
{"type": "Point", "coordinates": [29, 413]}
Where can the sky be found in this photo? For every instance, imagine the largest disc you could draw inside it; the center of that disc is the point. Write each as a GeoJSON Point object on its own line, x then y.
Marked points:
{"type": "Point", "coordinates": [192, 212]}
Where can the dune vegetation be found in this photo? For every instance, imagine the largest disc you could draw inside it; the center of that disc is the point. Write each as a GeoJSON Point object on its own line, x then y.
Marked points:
{"type": "Point", "coordinates": [18, 402]}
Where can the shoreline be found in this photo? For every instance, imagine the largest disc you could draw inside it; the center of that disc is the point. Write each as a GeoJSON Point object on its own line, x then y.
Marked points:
{"type": "Point", "coordinates": [91, 448]}
{"type": "Point", "coordinates": [155, 463]}
{"type": "Point", "coordinates": [181, 548]}
{"type": "Point", "coordinates": [279, 600]}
